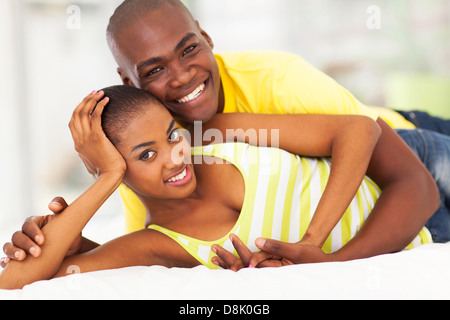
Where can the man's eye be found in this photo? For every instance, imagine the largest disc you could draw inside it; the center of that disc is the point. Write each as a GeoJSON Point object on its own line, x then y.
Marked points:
{"type": "Point", "coordinates": [153, 71]}
{"type": "Point", "coordinates": [147, 155]}
{"type": "Point", "coordinates": [189, 49]}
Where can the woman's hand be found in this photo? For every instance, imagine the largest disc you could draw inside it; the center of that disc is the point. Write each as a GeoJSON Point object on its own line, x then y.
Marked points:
{"type": "Point", "coordinates": [273, 254]}
{"type": "Point", "coordinates": [95, 150]}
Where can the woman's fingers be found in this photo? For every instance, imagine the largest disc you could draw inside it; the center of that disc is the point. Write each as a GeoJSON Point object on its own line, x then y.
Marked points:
{"type": "Point", "coordinates": [85, 112]}
{"type": "Point", "coordinates": [96, 115]}
{"type": "Point", "coordinates": [80, 123]}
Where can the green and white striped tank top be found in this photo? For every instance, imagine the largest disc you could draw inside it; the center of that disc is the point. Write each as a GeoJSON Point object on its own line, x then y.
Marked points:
{"type": "Point", "coordinates": [282, 191]}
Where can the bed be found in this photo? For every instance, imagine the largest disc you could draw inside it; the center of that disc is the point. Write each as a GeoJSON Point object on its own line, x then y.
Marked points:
{"type": "Point", "coordinates": [421, 273]}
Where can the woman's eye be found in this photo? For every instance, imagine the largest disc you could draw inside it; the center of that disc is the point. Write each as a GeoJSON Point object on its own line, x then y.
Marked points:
{"type": "Point", "coordinates": [175, 135]}
{"type": "Point", "coordinates": [147, 155]}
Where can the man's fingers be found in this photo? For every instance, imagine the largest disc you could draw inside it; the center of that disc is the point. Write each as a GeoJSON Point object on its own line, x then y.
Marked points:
{"type": "Point", "coordinates": [21, 244]}
{"type": "Point", "coordinates": [32, 229]}
{"type": "Point", "coordinates": [276, 248]}
{"type": "Point", "coordinates": [13, 252]}
{"type": "Point", "coordinates": [264, 259]}
{"type": "Point", "coordinates": [4, 262]}
{"type": "Point", "coordinates": [236, 266]}
{"type": "Point", "coordinates": [58, 205]}
{"type": "Point", "coordinates": [227, 257]}
{"type": "Point", "coordinates": [219, 262]}
{"type": "Point", "coordinates": [244, 253]}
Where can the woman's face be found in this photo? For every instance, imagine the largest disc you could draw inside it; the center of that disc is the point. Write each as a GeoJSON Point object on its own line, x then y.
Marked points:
{"type": "Point", "coordinates": [158, 157]}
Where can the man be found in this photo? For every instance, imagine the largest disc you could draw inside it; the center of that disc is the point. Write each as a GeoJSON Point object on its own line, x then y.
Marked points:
{"type": "Point", "coordinates": [160, 47]}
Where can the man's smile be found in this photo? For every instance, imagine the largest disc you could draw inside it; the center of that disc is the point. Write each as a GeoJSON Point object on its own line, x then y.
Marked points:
{"type": "Point", "coordinates": [197, 92]}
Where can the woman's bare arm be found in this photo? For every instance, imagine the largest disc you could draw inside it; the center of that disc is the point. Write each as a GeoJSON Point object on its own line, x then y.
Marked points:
{"type": "Point", "coordinates": [63, 229]}
{"type": "Point", "coordinates": [60, 234]}
{"type": "Point", "coordinates": [142, 248]}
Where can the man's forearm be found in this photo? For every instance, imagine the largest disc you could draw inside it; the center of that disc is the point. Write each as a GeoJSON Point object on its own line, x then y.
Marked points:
{"type": "Point", "coordinates": [409, 198]}
{"type": "Point", "coordinates": [87, 245]}
{"type": "Point", "coordinates": [390, 227]}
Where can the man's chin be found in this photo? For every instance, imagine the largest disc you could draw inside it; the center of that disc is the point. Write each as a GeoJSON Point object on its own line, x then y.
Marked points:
{"type": "Point", "coordinates": [204, 117]}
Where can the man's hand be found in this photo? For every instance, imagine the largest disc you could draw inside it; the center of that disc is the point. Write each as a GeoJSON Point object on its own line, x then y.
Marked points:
{"type": "Point", "coordinates": [273, 254]}
{"type": "Point", "coordinates": [31, 238]}
{"type": "Point", "coordinates": [289, 253]}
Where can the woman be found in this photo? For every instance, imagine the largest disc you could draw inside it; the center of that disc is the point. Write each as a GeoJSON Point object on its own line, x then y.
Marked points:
{"type": "Point", "coordinates": [195, 201]}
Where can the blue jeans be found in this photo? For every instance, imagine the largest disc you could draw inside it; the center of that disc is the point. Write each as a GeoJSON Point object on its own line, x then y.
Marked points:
{"type": "Point", "coordinates": [423, 120]}
{"type": "Point", "coordinates": [434, 151]}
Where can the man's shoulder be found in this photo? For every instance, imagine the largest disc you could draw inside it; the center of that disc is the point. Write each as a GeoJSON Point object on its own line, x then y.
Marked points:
{"type": "Point", "coordinates": [255, 59]}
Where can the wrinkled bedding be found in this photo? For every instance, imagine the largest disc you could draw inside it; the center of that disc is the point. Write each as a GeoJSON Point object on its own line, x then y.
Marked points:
{"type": "Point", "coordinates": [422, 273]}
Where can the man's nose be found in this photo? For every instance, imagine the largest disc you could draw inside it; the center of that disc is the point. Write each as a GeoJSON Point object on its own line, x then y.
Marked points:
{"type": "Point", "coordinates": [181, 75]}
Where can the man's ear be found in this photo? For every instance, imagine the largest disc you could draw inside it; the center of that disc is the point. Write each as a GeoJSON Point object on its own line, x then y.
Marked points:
{"type": "Point", "coordinates": [206, 36]}
{"type": "Point", "coordinates": [125, 80]}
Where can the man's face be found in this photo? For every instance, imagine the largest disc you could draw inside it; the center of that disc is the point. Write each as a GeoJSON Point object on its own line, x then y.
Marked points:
{"type": "Point", "coordinates": [167, 54]}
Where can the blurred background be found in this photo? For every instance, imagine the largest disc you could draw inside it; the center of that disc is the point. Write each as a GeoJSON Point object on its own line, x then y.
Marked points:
{"type": "Point", "coordinates": [390, 53]}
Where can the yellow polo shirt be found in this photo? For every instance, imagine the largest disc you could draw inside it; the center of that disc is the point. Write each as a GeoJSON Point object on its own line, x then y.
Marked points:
{"type": "Point", "coordinates": [273, 83]}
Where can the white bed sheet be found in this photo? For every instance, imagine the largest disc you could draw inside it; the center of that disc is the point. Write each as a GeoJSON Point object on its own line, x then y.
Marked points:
{"type": "Point", "coordinates": [422, 273]}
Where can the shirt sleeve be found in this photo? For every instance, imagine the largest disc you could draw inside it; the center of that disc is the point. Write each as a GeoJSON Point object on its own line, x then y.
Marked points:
{"type": "Point", "coordinates": [301, 88]}
{"type": "Point", "coordinates": [134, 210]}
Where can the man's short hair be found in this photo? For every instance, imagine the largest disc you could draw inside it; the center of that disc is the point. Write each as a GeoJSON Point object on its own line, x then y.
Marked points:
{"type": "Point", "coordinates": [133, 10]}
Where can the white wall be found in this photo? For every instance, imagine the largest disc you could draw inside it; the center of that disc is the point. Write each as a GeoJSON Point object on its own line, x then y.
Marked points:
{"type": "Point", "coordinates": [48, 67]}
{"type": "Point", "coordinates": [12, 138]}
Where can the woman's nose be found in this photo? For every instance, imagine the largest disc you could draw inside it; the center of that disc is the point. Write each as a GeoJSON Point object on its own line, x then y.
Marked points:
{"type": "Point", "coordinates": [176, 156]}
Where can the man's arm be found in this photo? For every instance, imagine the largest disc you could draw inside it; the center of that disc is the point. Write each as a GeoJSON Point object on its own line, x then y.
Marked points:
{"type": "Point", "coordinates": [409, 198]}
{"type": "Point", "coordinates": [349, 140]}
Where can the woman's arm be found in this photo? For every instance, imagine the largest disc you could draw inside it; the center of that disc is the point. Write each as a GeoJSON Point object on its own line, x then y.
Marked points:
{"type": "Point", "coordinates": [142, 248]}
{"type": "Point", "coordinates": [63, 229]}
{"type": "Point", "coordinates": [22, 243]}
{"type": "Point", "coordinates": [60, 234]}
{"type": "Point", "coordinates": [349, 140]}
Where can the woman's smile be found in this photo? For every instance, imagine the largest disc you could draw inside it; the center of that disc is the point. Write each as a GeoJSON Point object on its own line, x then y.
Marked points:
{"type": "Point", "coordinates": [180, 179]}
